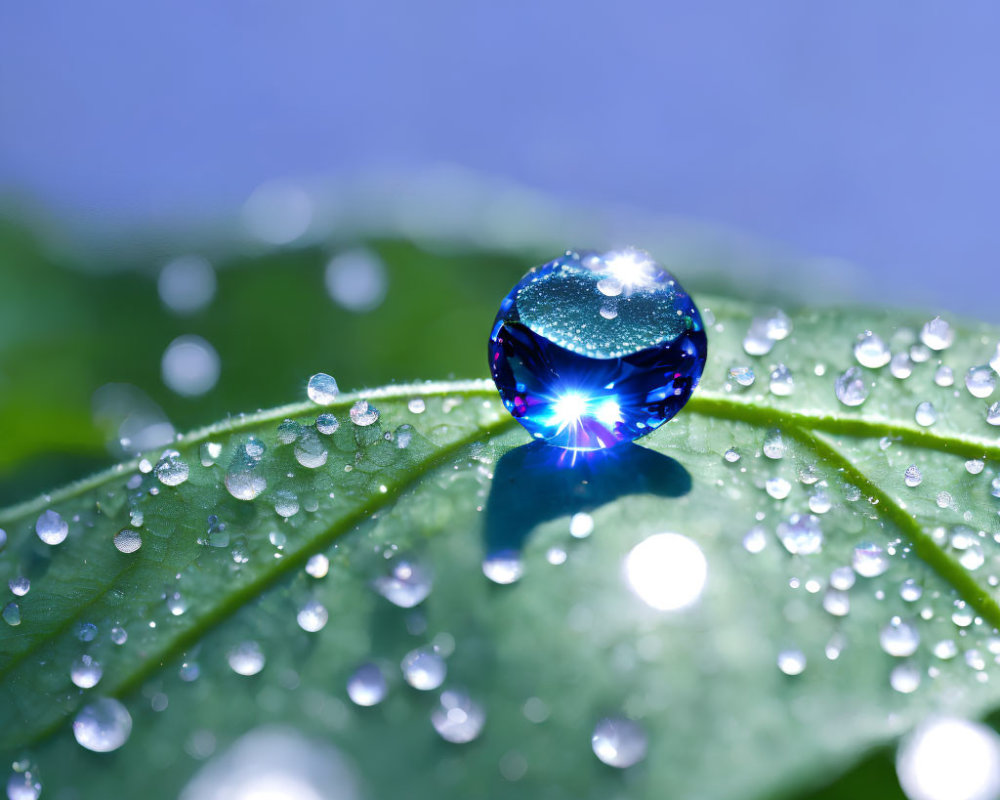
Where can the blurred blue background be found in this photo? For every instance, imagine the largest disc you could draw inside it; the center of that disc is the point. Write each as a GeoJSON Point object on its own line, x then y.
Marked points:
{"type": "Point", "coordinates": [859, 131]}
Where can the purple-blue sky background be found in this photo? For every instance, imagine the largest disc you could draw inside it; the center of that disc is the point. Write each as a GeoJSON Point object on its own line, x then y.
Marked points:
{"type": "Point", "coordinates": [860, 130]}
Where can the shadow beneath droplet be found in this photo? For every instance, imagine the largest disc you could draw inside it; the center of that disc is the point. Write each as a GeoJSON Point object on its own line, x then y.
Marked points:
{"type": "Point", "coordinates": [536, 483]}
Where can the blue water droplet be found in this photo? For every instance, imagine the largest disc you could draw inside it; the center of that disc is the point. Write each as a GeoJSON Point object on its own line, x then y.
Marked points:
{"type": "Point", "coordinates": [578, 377]}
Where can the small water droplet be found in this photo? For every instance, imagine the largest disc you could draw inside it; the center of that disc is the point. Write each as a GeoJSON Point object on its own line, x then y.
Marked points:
{"type": "Point", "coordinates": [937, 334]}
{"type": "Point", "coordinates": [416, 405]}
{"type": "Point", "coordinates": [910, 590]}
{"type": "Point", "coordinates": [869, 560]}
{"type": "Point", "coordinates": [755, 539]}
{"type": "Point", "coordinates": [322, 389]}
{"type": "Point", "coordinates": [424, 669]}
{"type": "Point", "coordinates": [774, 445]}
{"type": "Point", "coordinates": [246, 658]}
{"type": "Point", "coordinates": [171, 470]}
{"type": "Point", "coordinates": [23, 786]}
{"type": "Point", "coordinates": [944, 377]}
{"type": "Point", "coordinates": [209, 453]}
{"type": "Point", "coordinates": [899, 638]}
{"type": "Point", "coordinates": [801, 534]}
{"type": "Point", "coordinates": [11, 614]}
{"type": "Point", "coordinates": [778, 487]}
{"type": "Point", "coordinates": [782, 382]}
{"type": "Point", "coordinates": [367, 685]}
{"type": "Point", "coordinates": [313, 616]}
{"type": "Point", "coordinates": [912, 476]}
{"type": "Point", "coordinates": [176, 604]}
{"type": "Point", "coordinates": [457, 719]}
{"type": "Point", "coordinates": [288, 431]}
{"type": "Point", "coordinates": [119, 635]}
{"type": "Point", "coordinates": [819, 502]}
{"type": "Point", "coordinates": [327, 424]}
{"type": "Point", "coordinates": [981, 381]}
{"type": "Point", "coordinates": [963, 615]}
{"type": "Point", "coordinates": [127, 541]}
{"type": "Point", "coordinates": [731, 455]}
{"type": "Point", "coordinates": [286, 504]}
{"type": "Point", "coordinates": [310, 451]}
{"type": "Point", "coordinates": [993, 414]}
{"type": "Point", "coordinates": [792, 662]}
{"type": "Point", "coordinates": [317, 566]}
{"type": "Point", "coordinates": [19, 585]}
{"type": "Point", "coordinates": [842, 578]}
{"type": "Point", "coordinates": [836, 602]}
{"type": "Point", "coordinates": [901, 366]}
{"type": "Point", "coordinates": [407, 584]}
{"type": "Point", "coordinates": [51, 528]}
{"type": "Point", "coordinates": [619, 742]}
{"type": "Point", "coordinates": [945, 649]}
{"type": "Point", "coordinates": [919, 353]}
{"type": "Point", "coordinates": [757, 342]}
{"type": "Point", "coordinates": [242, 479]}
{"type": "Point", "coordinates": [871, 351]}
{"type": "Point", "coordinates": [851, 387]}
{"type": "Point", "coordinates": [363, 414]}
{"type": "Point", "coordinates": [581, 525]}
{"type": "Point", "coordinates": [905, 677]}
{"type": "Point", "coordinates": [742, 375]}
{"type": "Point", "coordinates": [86, 672]}
{"type": "Point", "coordinates": [102, 726]}
{"type": "Point", "coordinates": [926, 414]}
{"type": "Point", "coordinates": [974, 466]}
{"type": "Point", "coordinates": [503, 567]}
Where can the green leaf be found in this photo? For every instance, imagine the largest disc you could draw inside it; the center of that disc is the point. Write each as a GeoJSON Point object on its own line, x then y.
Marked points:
{"type": "Point", "coordinates": [567, 644]}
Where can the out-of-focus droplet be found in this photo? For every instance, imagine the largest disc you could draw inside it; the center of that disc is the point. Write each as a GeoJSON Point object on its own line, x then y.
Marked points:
{"type": "Point", "coordinates": [619, 742]}
{"type": "Point", "coordinates": [190, 366]}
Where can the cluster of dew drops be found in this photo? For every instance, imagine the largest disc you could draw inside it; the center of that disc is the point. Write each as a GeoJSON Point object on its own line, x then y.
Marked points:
{"type": "Point", "coordinates": [104, 724]}
{"type": "Point", "coordinates": [801, 534]}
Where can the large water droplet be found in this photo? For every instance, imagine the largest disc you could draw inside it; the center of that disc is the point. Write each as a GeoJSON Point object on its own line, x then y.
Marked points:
{"type": "Point", "coordinates": [619, 742]}
{"type": "Point", "coordinates": [980, 381]}
{"type": "Point", "coordinates": [23, 786]}
{"type": "Point", "coordinates": [103, 725]}
{"type": "Point", "coordinates": [11, 614]}
{"type": "Point", "coordinates": [579, 379]}
{"type": "Point", "coordinates": [51, 527]}
{"type": "Point", "coordinates": [457, 719]}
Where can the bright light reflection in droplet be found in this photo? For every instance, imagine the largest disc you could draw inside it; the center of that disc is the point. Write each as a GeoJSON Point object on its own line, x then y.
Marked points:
{"type": "Point", "coordinates": [950, 759]}
{"type": "Point", "coordinates": [609, 413]}
{"type": "Point", "coordinates": [667, 571]}
{"type": "Point", "coordinates": [568, 409]}
{"type": "Point", "coordinates": [630, 268]}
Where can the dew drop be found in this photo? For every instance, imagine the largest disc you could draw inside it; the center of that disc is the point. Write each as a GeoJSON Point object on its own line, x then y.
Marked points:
{"type": "Point", "coordinates": [905, 678]}
{"type": "Point", "coordinates": [127, 540]}
{"type": "Point", "coordinates": [946, 649]}
{"type": "Point", "coordinates": [327, 424]}
{"type": "Point", "coordinates": [424, 669]}
{"type": "Point", "coordinates": [288, 431]}
{"type": "Point", "coordinates": [86, 672]}
{"type": "Point", "coordinates": [317, 566]}
{"type": "Point", "coordinates": [910, 590]}
{"type": "Point", "coordinates": [944, 377]}
{"type": "Point", "coordinates": [503, 567]}
{"type": "Point", "coordinates": [322, 389]}
{"type": "Point", "coordinates": [842, 578]}
{"type": "Point", "coordinates": [836, 602]}
{"type": "Point", "coordinates": [310, 451]}
{"type": "Point", "coordinates": [981, 381]}
{"type": "Point", "coordinates": [11, 614]}
{"type": "Point", "coordinates": [176, 604]}
{"type": "Point", "coordinates": [416, 405]}
{"type": "Point", "coordinates": [777, 487]}
{"type": "Point", "coordinates": [742, 375]}
{"type": "Point", "coordinates": [246, 658]}
{"type": "Point", "coordinates": [407, 584]}
{"type": "Point", "coordinates": [912, 476]}
{"type": "Point", "coordinates": [23, 786]}
{"type": "Point", "coordinates": [51, 528]}
{"type": "Point", "coordinates": [313, 616]}
{"type": "Point", "coordinates": [171, 470]}
{"type": "Point", "coordinates": [209, 453]}
{"type": "Point", "coordinates": [974, 466]}
{"type": "Point", "coordinates": [851, 387]}
{"type": "Point", "coordinates": [731, 455]}
{"type": "Point", "coordinates": [782, 382]}
{"type": "Point", "coordinates": [755, 539]}
{"type": "Point", "coordinates": [925, 415]}
{"type": "Point", "coordinates": [19, 585]}
{"type": "Point", "coordinates": [774, 445]}
{"type": "Point", "coordinates": [937, 334]}
{"type": "Point", "coordinates": [871, 351]}
{"type": "Point", "coordinates": [619, 742]}
{"type": "Point", "coordinates": [993, 414]}
{"type": "Point", "coordinates": [119, 635]}
{"type": "Point", "coordinates": [901, 366]}
{"type": "Point", "coordinates": [581, 525]}
{"type": "Point", "coordinates": [102, 726]}
{"type": "Point", "coordinates": [792, 662]}
{"type": "Point", "coordinates": [819, 502]}
{"type": "Point", "coordinates": [363, 414]}
{"type": "Point", "coordinates": [286, 504]}
{"type": "Point", "coordinates": [457, 719]}
{"type": "Point", "coordinates": [367, 685]}
{"type": "Point", "coordinates": [801, 534]}
{"type": "Point", "coordinates": [899, 638]}
{"type": "Point", "coordinates": [869, 560]}
{"type": "Point", "coordinates": [757, 342]}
